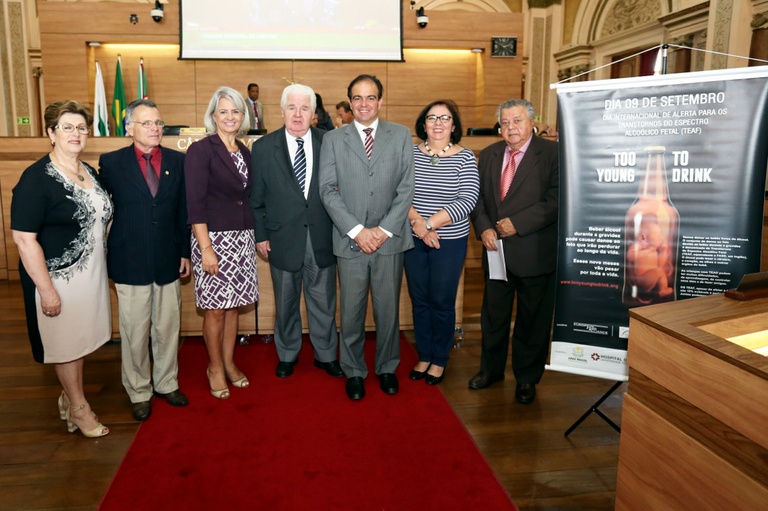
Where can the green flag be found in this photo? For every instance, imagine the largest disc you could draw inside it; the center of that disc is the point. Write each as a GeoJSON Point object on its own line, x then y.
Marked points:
{"type": "Point", "coordinates": [118, 101]}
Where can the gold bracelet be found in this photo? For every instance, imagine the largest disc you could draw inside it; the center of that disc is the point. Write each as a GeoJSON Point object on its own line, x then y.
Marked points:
{"type": "Point", "coordinates": [206, 248]}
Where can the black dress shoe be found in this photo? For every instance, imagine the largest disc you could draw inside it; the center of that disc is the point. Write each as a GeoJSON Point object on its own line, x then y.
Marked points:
{"type": "Point", "coordinates": [333, 368]}
{"type": "Point", "coordinates": [525, 393]}
{"type": "Point", "coordinates": [285, 369]}
{"type": "Point", "coordinates": [355, 388]}
{"type": "Point", "coordinates": [388, 383]}
{"type": "Point", "coordinates": [175, 398]}
{"type": "Point", "coordinates": [141, 411]}
{"type": "Point", "coordinates": [482, 381]}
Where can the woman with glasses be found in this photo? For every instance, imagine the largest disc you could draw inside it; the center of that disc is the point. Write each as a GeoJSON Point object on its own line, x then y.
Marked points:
{"type": "Point", "coordinates": [219, 180]}
{"type": "Point", "coordinates": [59, 220]}
{"type": "Point", "coordinates": [447, 188]}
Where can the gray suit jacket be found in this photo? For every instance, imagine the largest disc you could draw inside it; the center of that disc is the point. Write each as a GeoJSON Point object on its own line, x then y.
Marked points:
{"type": "Point", "coordinates": [375, 192]}
{"type": "Point", "coordinates": [252, 114]}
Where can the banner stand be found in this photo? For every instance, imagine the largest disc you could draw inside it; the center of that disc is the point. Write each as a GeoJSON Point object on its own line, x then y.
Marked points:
{"type": "Point", "coordinates": [595, 408]}
{"type": "Point", "coordinates": [651, 211]}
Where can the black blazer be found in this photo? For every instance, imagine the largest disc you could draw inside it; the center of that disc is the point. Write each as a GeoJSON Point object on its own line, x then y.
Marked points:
{"type": "Point", "coordinates": [149, 235]}
{"type": "Point", "coordinates": [281, 212]}
{"type": "Point", "coordinates": [531, 204]}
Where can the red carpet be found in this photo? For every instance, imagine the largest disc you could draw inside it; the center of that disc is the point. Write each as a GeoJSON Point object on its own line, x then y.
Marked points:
{"type": "Point", "coordinates": [299, 444]}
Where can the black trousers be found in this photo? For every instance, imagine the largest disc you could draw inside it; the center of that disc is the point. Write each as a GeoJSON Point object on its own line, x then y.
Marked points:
{"type": "Point", "coordinates": [533, 324]}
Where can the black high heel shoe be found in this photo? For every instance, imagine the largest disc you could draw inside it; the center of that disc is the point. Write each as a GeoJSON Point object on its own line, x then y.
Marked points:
{"type": "Point", "coordinates": [418, 375]}
{"type": "Point", "coordinates": [434, 380]}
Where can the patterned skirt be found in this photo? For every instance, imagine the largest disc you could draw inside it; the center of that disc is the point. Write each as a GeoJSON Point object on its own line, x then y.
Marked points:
{"type": "Point", "coordinates": [236, 282]}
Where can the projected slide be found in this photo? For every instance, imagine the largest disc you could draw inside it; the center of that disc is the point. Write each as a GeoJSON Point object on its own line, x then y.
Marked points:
{"type": "Point", "coordinates": [292, 29]}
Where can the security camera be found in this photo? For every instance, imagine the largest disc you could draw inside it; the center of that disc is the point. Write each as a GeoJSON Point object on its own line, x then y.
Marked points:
{"type": "Point", "coordinates": [421, 18]}
{"type": "Point", "coordinates": [157, 15]}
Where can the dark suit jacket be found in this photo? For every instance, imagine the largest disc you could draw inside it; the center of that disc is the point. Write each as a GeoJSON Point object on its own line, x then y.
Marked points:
{"type": "Point", "coordinates": [215, 192]}
{"type": "Point", "coordinates": [281, 212]}
{"type": "Point", "coordinates": [149, 235]}
{"type": "Point", "coordinates": [531, 204]}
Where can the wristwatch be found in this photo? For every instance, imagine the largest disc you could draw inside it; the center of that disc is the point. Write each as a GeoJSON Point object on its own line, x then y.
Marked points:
{"type": "Point", "coordinates": [427, 224]}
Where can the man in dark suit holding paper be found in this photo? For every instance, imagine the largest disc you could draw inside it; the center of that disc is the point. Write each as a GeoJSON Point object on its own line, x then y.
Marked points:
{"type": "Point", "coordinates": [293, 232]}
{"type": "Point", "coordinates": [147, 251]}
{"type": "Point", "coordinates": [366, 184]}
{"type": "Point", "coordinates": [519, 194]}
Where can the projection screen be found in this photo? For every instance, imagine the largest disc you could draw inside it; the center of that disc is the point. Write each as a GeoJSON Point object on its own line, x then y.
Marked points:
{"type": "Point", "coordinates": [292, 29]}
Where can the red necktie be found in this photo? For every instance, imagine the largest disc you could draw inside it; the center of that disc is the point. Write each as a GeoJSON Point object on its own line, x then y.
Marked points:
{"type": "Point", "coordinates": [508, 174]}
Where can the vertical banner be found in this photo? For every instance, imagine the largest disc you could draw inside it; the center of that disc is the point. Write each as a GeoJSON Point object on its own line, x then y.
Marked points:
{"type": "Point", "coordinates": [661, 198]}
{"type": "Point", "coordinates": [100, 112]}
{"type": "Point", "coordinates": [118, 100]}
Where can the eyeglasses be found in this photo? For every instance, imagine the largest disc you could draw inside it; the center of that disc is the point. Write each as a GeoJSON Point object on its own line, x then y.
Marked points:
{"type": "Point", "coordinates": [69, 128]}
{"type": "Point", "coordinates": [149, 124]}
{"type": "Point", "coordinates": [443, 118]}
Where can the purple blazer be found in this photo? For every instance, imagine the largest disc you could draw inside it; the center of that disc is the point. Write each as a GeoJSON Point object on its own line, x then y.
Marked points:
{"type": "Point", "coordinates": [215, 192]}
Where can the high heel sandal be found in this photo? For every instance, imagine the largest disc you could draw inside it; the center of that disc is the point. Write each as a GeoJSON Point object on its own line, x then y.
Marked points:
{"type": "Point", "coordinates": [218, 394]}
{"type": "Point", "coordinates": [242, 383]}
{"type": "Point", "coordinates": [98, 431]}
{"type": "Point", "coordinates": [62, 406]}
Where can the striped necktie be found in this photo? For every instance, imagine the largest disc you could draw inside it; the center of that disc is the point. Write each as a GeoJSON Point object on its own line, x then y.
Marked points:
{"type": "Point", "coordinates": [300, 164]}
{"type": "Point", "coordinates": [368, 141]}
{"type": "Point", "coordinates": [508, 174]}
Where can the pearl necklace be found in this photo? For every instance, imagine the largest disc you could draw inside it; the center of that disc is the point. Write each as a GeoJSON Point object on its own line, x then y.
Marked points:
{"type": "Point", "coordinates": [435, 160]}
{"type": "Point", "coordinates": [75, 172]}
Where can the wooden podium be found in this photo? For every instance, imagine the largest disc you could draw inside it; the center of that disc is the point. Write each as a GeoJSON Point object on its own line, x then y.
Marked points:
{"type": "Point", "coordinates": [695, 418]}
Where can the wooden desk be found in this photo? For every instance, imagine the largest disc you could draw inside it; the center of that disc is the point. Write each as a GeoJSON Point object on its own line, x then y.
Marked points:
{"type": "Point", "coordinates": [695, 418]}
{"type": "Point", "coordinates": [16, 154]}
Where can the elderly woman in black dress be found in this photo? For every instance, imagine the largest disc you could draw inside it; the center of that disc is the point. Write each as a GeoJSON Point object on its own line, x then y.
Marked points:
{"type": "Point", "coordinates": [59, 219]}
{"type": "Point", "coordinates": [219, 181]}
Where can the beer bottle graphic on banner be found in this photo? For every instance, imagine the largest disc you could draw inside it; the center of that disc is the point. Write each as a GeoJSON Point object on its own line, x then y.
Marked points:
{"type": "Point", "coordinates": [651, 238]}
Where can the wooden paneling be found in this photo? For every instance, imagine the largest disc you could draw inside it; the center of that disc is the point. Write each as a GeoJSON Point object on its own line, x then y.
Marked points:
{"type": "Point", "coordinates": [662, 467]}
{"type": "Point", "coordinates": [693, 431]}
{"type": "Point", "coordinates": [476, 81]}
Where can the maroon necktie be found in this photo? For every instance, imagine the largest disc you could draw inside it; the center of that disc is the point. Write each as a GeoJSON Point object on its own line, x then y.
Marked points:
{"type": "Point", "coordinates": [153, 182]}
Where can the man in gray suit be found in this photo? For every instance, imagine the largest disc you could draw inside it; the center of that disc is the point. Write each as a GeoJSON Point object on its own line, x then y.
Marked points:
{"type": "Point", "coordinates": [293, 232]}
{"type": "Point", "coordinates": [366, 184]}
{"type": "Point", "coordinates": [256, 109]}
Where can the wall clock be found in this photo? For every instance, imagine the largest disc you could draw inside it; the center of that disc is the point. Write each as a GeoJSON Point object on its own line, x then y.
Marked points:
{"type": "Point", "coordinates": [503, 46]}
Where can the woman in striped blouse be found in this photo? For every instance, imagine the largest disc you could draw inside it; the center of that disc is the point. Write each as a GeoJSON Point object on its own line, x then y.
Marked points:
{"type": "Point", "coordinates": [447, 188]}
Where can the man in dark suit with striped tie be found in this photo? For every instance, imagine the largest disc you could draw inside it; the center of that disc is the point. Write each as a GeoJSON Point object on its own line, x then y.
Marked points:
{"type": "Point", "coordinates": [293, 232]}
{"type": "Point", "coordinates": [147, 252]}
